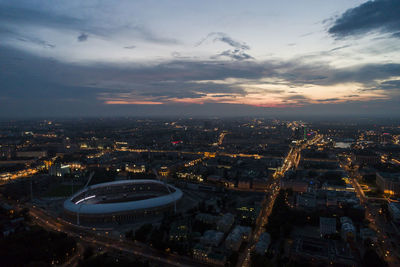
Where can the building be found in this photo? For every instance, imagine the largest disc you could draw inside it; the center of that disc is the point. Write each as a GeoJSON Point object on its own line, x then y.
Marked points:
{"type": "Point", "coordinates": [211, 238]}
{"type": "Point", "coordinates": [260, 184]}
{"type": "Point", "coordinates": [179, 231]}
{"type": "Point", "coordinates": [214, 178]}
{"type": "Point", "coordinates": [368, 233]}
{"type": "Point", "coordinates": [327, 226]}
{"type": "Point", "coordinates": [31, 154]}
{"type": "Point", "coordinates": [206, 254]}
{"type": "Point", "coordinates": [394, 210]}
{"type": "Point", "coordinates": [200, 252]}
{"type": "Point", "coordinates": [366, 157]}
{"type": "Point", "coordinates": [206, 218]}
{"type": "Point", "coordinates": [263, 243]}
{"type": "Point", "coordinates": [244, 184]}
{"type": "Point", "coordinates": [164, 171]}
{"type": "Point", "coordinates": [189, 176]}
{"type": "Point", "coordinates": [389, 183]}
{"type": "Point", "coordinates": [122, 201]}
{"type": "Point", "coordinates": [225, 223]}
{"type": "Point", "coordinates": [330, 187]}
{"type": "Point", "coordinates": [322, 252]}
{"type": "Point", "coordinates": [59, 170]}
{"type": "Point", "coordinates": [216, 259]}
{"type": "Point", "coordinates": [306, 200]}
{"type": "Point", "coordinates": [348, 231]}
{"type": "Point", "coordinates": [295, 185]}
{"type": "Point", "coordinates": [249, 213]}
{"type": "Point", "coordinates": [136, 168]}
{"type": "Point", "coordinates": [237, 236]}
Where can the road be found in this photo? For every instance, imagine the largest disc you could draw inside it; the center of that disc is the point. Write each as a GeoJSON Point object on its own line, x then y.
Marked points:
{"type": "Point", "coordinates": [73, 261]}
{"type": "Point", "coordinates": [99, 239]}
{"type": "Point", "coordinates": [377, 222]}
{"type": "Point", "coordinates": [200, 153]}
{"type": "Point", "coordinates": [291, 161]}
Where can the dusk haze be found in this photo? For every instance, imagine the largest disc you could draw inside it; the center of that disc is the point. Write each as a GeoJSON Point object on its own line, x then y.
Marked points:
{"type": "Point", "coordinates": [180, 133]}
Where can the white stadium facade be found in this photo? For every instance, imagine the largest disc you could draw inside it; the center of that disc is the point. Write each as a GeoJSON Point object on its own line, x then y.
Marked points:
{"type": "Point", "coordinates": [121, 201]}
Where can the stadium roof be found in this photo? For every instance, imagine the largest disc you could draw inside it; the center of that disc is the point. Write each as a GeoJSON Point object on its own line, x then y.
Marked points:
{"type": "Point", "coordinates": [105, 208]}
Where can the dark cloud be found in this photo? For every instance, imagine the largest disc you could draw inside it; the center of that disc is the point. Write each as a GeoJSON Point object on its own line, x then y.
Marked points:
{"type": "Point", "coordinates": [299, 73]}
{"type": "Point", "coordinates": [25, 38]}
{"type": "Point", "coordinates": [130, 47]}
{"type": "Point", "coordinates": [18, 16]}
{"type": "Point", "coordinates": [396, 35]}
{"type": "Point", "coordinates": [223, 37]}
{"type": "Point", "coordinates": [238, 48]}
{"type": "Point", "coordinates": [228, 40]}
{"type": "Point", "coordinates": [31, 83]}
{"type": "Point", "coordinates": [236, 54]}
{"type": "Point", "coordinates": [6, 31]}
{"type": "Point", "coordinates": [22, 15]}
{"type": "Point", "coordinates": [339, 48]}
{"type": "Point", "coordinates": [36, 41]}
{"type": "Point", "coordinates": [329, 99]}
{"type": "Point", "coordinates": [295, 97]}
{"type": "Point", "coordinates": [178, 56]}
{"type": "Point", "coordinates": [149, 35]}
{"type": "Point", "coordinates": [390, 85]}
{"type": "Point", "coordinates": [82, 37]}
{"type": "Point", "coordinates": [379, 15]}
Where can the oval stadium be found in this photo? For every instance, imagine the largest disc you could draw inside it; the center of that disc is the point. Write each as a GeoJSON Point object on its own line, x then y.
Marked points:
{"type": "Point", "coordinates": [121, 201]}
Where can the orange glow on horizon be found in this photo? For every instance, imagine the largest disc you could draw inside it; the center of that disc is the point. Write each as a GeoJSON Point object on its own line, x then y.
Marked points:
{"type": "Point", "coordinates": [132, 102]}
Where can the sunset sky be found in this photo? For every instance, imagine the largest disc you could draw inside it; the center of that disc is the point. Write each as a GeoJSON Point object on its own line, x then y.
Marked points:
{"type": "Point", "coordinates": [199, 58]}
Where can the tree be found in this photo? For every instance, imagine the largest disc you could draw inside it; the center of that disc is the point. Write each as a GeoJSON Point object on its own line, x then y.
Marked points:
{"type": "Point", "coordinates": [260, 261]}
{"type": "Point", "coordinates": [372, 259]}
{"type": "Point", "coordinates": [157, 239]}
{"type": "Point", "coordinates": [88, 253]}
{"type": "Point", "coordinates": [233, 258]}
{"type": "Point", "coordinates": [129, 234]}
{"type": "Point", "coordinates": [142, 233]}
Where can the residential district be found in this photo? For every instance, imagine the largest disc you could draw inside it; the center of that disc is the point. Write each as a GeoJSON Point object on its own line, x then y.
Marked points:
{"type": "Point", "coordinates": [199, 192]}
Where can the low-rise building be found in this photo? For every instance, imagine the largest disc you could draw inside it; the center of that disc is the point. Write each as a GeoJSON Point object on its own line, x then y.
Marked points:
{"type": "Point", "coordinates": [179, 231]}
{"type": "Point", "coordinates": [327, 226]}
{"type": "Point", "coordinates": [140, 168]}
{"type": "Point", "coordinates": [348, 231]}
{"type": "Point", "coordinates": [394, 210]}
{"type": "Point", "coordinates": [59, 170]}
{"type": "Point", "coordinates": [237, 236]}
{"type": "Point", "coordinates": [31, 154]}
{"type": "Point", "coordinates": [212, 238]}
{"type": "Point", "coordinates": [368, 233]}
{"type": "Point", "coordinates": [207, 255]}
{"type": "Point", "coordinates": [306, 200]}
{"type": "Point", "coordinates": [260, 183]}
{"type": "Point", "coordinates": [389, 183]}
{"type": "Point", "coordinates": [225, 223]}
{"type": "Point", "coordinates": [249, 213]}
{"type": "Point", "coordinates": [263, 243]}
{"type": "Point", "coordinates": [244, 184]}
{"type": "Point", "coordinates": [295, 185]}
{"type": "Point", "coordinates": [200, 252]}
{"type": "Point", "coordinates": [206, 218]}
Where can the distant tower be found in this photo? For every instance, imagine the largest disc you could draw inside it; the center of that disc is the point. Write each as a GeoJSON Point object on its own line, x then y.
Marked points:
{"type": "Point", "coordinates": [305, 134]}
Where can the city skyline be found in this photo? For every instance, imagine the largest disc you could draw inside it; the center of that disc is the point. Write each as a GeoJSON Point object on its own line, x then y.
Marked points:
{"type": "Point", "coordinates": [199, 59]}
